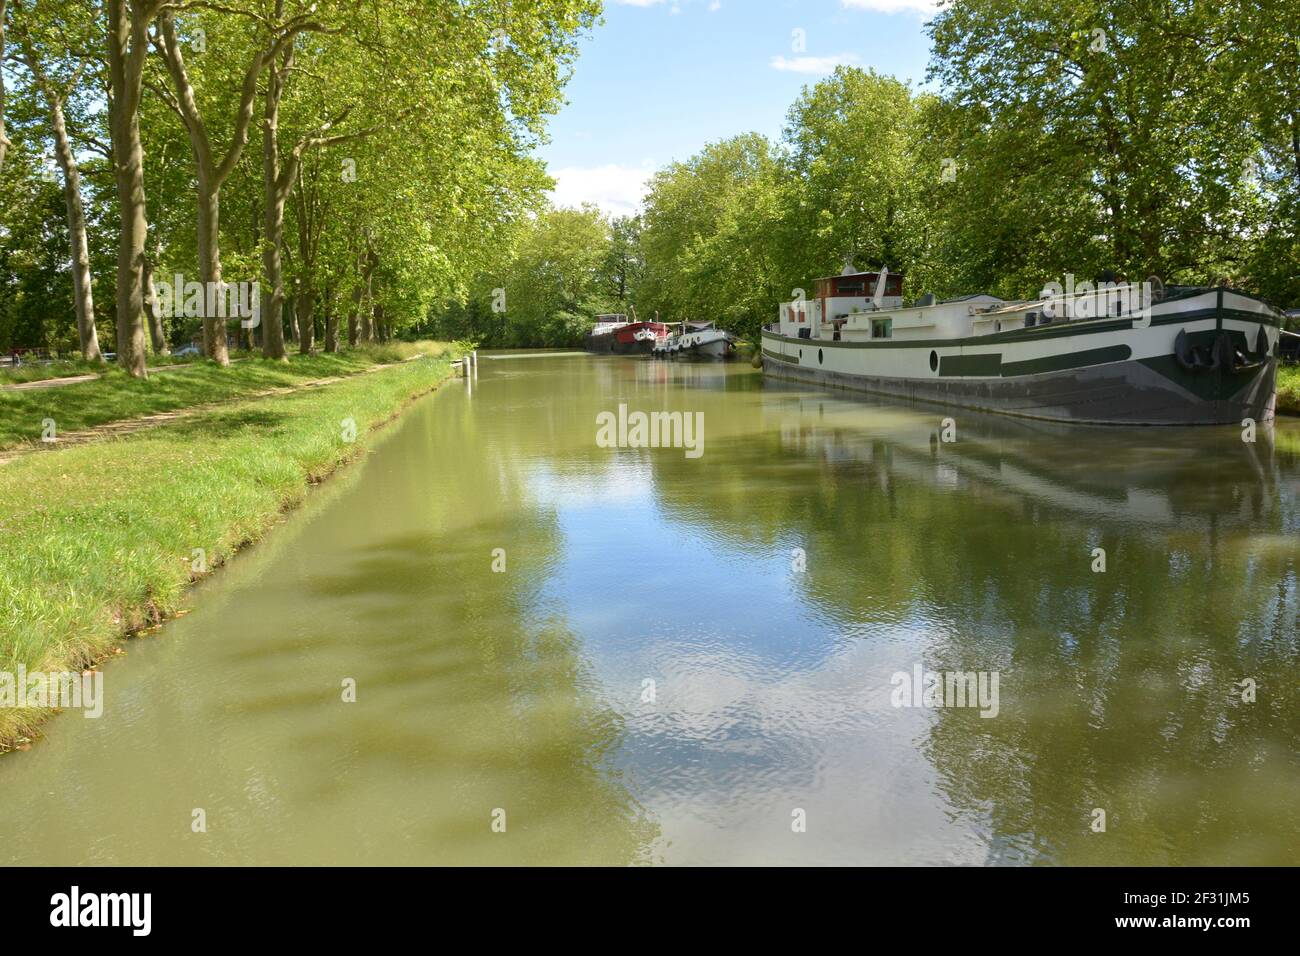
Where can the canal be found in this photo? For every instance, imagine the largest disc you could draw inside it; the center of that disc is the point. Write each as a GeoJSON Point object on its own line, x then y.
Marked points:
{"type": "Point", "coordinates": [567, 653]}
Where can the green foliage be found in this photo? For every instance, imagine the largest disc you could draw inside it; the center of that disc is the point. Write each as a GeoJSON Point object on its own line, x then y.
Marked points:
{"type": "Point", "coordinates": [1087, 138]}
{"type": "Point", "coordinates": [1288, 389]}
{"type": "Point", "coordinates": [562, 268]}
{"type": "Point", "coordinates": [36, 305]}
{"type": "Point", "coordinates": [712, 237]}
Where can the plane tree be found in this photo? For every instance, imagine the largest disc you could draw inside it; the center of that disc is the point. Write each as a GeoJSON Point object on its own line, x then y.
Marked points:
{"type": "Point", "coordinates": [50, 43]}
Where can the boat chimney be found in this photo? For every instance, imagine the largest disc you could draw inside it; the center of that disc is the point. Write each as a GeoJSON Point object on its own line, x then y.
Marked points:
{"type": "Point", "coordinates": [879, 298]}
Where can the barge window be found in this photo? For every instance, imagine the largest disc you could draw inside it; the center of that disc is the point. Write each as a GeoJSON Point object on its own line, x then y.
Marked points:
{"type": "Point", "coordinates": [882, 328]}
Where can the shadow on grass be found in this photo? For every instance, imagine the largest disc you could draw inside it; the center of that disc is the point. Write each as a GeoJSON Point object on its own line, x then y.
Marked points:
{"type": "Point", "coordinates": [219, 422]}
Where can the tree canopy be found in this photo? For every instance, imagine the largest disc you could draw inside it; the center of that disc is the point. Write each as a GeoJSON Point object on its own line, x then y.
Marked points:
{"type": "Point", "coordinates": [359, 160]}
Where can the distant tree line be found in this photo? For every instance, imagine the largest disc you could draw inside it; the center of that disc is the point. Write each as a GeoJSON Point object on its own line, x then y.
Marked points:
{"type": "Point", "coordinates": [555, 273]}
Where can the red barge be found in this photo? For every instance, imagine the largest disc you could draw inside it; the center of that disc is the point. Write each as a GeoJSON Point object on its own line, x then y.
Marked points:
{"type": "Point", "coordinates": [615, 335]}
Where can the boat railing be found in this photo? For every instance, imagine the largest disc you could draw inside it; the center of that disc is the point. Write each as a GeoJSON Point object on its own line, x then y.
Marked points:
{"type": "Point", "coordinates": [1105, 300]}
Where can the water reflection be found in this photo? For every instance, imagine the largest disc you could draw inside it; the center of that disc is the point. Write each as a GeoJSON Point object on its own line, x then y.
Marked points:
{"type": "Point", "coordinates": [1121, 690]}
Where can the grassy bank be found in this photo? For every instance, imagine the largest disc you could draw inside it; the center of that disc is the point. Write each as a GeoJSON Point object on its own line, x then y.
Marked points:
{"type": "Point", "coordinates": [98, 540]}
{"type": "Point", "coordinates": [116, 396]}
{"type": "Point", "coordinates": [1288, 389]}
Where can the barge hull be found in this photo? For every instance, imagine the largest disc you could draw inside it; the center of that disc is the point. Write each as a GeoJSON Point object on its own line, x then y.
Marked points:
{"type": "Point", "coordinates": [1124, 393]}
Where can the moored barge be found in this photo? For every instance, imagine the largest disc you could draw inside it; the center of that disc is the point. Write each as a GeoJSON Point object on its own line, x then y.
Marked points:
{"type": "Point", "coordinates": [1102, 354]}
{"type": "Point", "coordinates": [614, 334]}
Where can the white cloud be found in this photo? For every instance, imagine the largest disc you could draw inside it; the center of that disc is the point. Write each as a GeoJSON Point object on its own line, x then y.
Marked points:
{"type": "Point", "coordinates": [616, 189]}
{"type": "Point", "coordinates": [813, 64]}
{"type": "Point", "coordinates": [928, 7]}
{"type": "Point", "coordinates": [675, 9]}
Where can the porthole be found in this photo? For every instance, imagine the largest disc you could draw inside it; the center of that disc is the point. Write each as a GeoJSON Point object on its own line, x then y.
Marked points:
{"type": "Point", "coordinates": [819, 356]}
{"type": "Point", "coordinates": [934, 361]}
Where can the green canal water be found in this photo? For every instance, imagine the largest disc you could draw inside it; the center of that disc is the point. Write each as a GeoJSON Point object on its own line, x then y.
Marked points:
{"type": "Point", "coordinates": [692, 660]}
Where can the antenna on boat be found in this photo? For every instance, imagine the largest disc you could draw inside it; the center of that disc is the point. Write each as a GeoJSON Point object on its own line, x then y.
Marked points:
{"type": "Point", "coordinates": [849, 268]}
{"type": "Point", "coordinates": [879, 298]}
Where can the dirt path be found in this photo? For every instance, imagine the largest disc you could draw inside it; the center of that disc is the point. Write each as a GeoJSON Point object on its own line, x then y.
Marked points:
{"type": "Point", "coordinates": [129, 426]}
{"type": "Point", "coordinates": [92, 376]}
{"type": "Point", "coordinates": [50, 382]}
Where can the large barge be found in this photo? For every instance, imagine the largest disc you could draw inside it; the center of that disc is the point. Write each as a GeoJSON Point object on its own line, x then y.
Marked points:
{"type": "Point", "coordinates": [1115, 354]}
{"type": "Point", "coordinates": [614, 335]}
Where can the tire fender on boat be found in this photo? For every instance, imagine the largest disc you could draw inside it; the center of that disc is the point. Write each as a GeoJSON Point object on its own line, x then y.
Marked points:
{"type": "Point", "coordinates": [1186, 355]}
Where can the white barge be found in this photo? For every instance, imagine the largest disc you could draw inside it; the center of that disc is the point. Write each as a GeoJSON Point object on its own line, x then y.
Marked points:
{"type": "Point", "coordinates": [1111, 354]}
{"type": "Point", "coordinates": [698, 340]}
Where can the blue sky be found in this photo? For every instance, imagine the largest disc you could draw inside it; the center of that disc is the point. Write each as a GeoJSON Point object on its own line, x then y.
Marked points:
{"type": "Point", "coordinates": [661, 78]}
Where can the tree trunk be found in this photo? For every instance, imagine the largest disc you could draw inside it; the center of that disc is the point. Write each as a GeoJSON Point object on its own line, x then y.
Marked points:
{"type": "Point", "coordinates": [272, 220]}
{"type": "Point", "coordinates": [82, 289]}
{"type": "Point", "coordinates": [331, 321]}
{"type": "Point", "coordinates": [367, 331]}
{"type": "Point", "coordinates": [302, 307]}
{"type": "Point", "coordinates": [127, 45]}
{"type": "Point", "coordinates": [214, 323]}
{"type": "Point", "coordinates": [354, 328]}
{"type": "Point", "coordinates": [250, 333]}
{"type": "Point", "coordinates": [4, 140]}
{"type": "Point", "coordinates": [156, 332]}
{"type": "Point", "coordinates": [304, 296]}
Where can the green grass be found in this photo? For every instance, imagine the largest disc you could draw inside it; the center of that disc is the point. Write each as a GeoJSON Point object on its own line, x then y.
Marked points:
{"type": "Point", "coordinates": [96, 540]}
{"type": "Point", "coordinates": [116, 396]}
{"type": "Point", "coordinates": [1288, 389]}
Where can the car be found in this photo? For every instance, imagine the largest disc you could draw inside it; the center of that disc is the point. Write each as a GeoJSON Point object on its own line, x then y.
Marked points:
{"type": "Point", "coordinates": [190, 349]}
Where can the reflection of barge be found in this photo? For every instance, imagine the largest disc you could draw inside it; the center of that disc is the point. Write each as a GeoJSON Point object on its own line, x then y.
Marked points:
{"type": "Point", "coordinates": [1114, 355]}
{"type": "Point", "coordinates": [1200, 480]}
{"type": "Point", "coordinates": [614, 334]}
